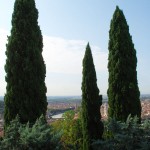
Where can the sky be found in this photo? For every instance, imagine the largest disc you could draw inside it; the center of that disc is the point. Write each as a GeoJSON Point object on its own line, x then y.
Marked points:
{"type": "Point", "coordinates": [67, 26]}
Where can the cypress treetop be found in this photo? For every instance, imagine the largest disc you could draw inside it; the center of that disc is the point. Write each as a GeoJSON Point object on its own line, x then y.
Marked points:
{"type": "Point", "coordinates": [91, 102]}
{"type": "Point", "coordinates": [123, 91]}
{"type": "Point", "coordinates": [25, 68]}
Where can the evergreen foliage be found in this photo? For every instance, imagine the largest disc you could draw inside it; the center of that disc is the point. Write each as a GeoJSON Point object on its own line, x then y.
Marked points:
{"type": "Point", "coordinates": [128, 135]}
{"type": "Point", "coordinates": [25, 68]}
{"type": "Point", "coordinates": [23, 137]}
{"type": "Point", "coordinates": [1, 107]}
{"type": "Point", "coordinates": [123, 91]}
{"type": "Point", "coordinates": [91, 101]}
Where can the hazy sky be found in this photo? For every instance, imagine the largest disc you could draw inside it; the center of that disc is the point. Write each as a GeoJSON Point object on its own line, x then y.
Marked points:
{"type": "Point", "coordinates": [67, 26]}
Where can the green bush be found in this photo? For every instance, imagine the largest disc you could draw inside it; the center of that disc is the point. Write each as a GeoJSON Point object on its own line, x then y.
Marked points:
{"type": "Point", "coordinates": [70, 130]}
{"type": "Point", "coordinates": [39, 136]}
{"type": "Point", "coordinates": [125, 136]}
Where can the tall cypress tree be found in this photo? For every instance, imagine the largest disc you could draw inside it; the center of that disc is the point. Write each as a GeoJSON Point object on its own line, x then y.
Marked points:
{"type": "Point", "coordinates": [123, 91]}
{"type": "Point", "coordinates": [91, 102]}
{"type": "Point", "coordinates": [25, 68]}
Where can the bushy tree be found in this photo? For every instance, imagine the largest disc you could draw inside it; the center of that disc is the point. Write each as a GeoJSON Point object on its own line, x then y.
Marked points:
{"type": "Point", "coordinates": [123, 91]}
{"type": "Point", "coordinates": [91, 101]}
{"type": "Point", "coordinates": [70, 129]}
{"type": "Point", "coordinates": [25, 68]}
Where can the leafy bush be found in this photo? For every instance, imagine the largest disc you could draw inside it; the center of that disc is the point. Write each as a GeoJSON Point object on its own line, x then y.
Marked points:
{"type": "Point", "coordinates": [70, 130]}
{"type": "Point", "coordinates": [125, 136]}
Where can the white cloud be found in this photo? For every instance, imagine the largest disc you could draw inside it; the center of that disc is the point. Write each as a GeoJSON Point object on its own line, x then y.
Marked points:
{"type": "Point", "coordinates": [63, 60]}
{"type": "Point", "coordinates": [65, 56]}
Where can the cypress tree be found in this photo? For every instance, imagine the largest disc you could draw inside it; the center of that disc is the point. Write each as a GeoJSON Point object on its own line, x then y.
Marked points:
{"type": "Point", "coordinates": [123, 91]}
{"type": "Point", "coordinates": [25, 68]}
{"type": "Point", "coordinates": [91, 101]}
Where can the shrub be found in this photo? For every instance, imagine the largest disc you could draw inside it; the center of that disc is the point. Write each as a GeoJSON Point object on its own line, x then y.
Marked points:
{"type": "Point", "coordinates": [39, 136]}
{"type": "Point", "coordinates": [125, 136]}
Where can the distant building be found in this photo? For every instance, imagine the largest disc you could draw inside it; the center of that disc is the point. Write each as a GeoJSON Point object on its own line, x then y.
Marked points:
{"type": "Point", "coordinates": [104, 110]}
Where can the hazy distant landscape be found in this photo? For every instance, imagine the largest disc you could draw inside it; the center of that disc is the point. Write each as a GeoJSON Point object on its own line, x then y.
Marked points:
{"type": "Point", "coordinates": [76, 99]}
{"type": "Point", "coordinates": [54, 99]}
{"type": "Point", "coordinates": [60, 104]}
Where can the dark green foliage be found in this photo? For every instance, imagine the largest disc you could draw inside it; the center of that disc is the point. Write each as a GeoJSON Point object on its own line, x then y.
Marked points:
{"type": "Point", "coordinates": [25, 68]}
{"type": "Point", "coordinates": [22, 137]}
{"type": "Point", "coordinates": [1, 107]}
{"type": "Point", "coordinates": [123, 91]}
{"type": "Point", "coordinates": [91, 101]}
{"type": "Point", "coordinates": [125, 136]}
